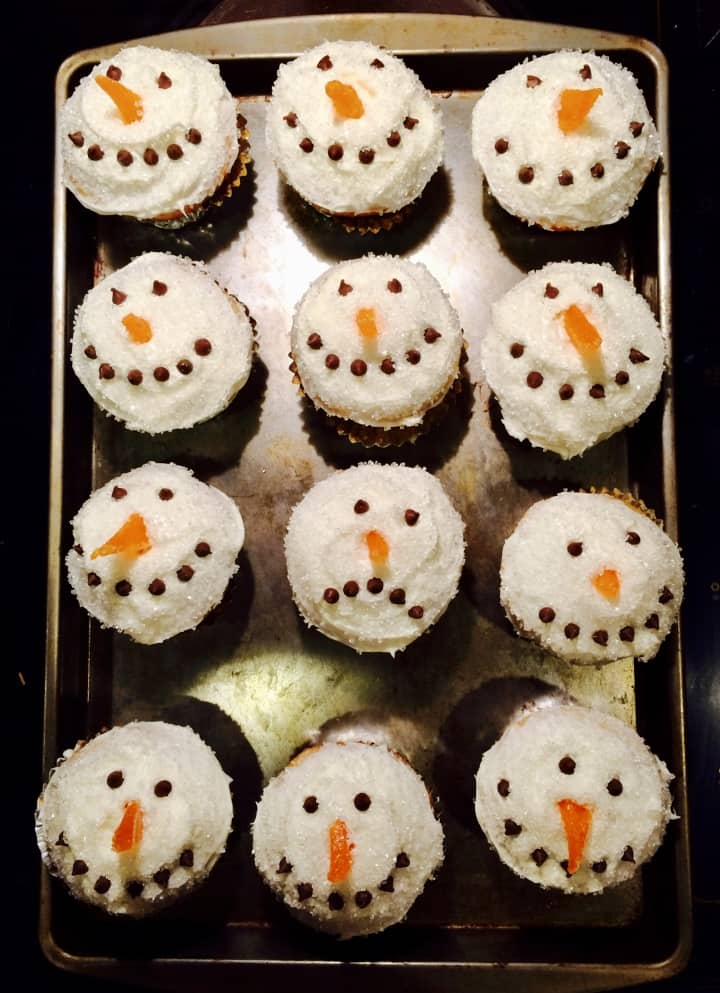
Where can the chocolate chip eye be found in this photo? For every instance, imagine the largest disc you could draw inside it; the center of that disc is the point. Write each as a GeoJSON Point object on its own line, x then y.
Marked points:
{"type": "Point", "coordinates": [567, 765]}
{"type": "Point", "coordinates": [362, 801]}
{"type": "Point", "coordinates": [115, 779]}
{"type": "Point", "coordinates": [163, 788]}
{"type": "Point", "coordinates": [614, 787]}
{"type": "Point", "coordinates": [310, 804]}
{"type": "Point", "coordinates": [503, 787]}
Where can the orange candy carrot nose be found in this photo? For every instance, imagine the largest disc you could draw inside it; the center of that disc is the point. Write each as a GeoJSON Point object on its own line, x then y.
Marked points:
{"type": "Point", "coordinates": [584, 336]}
{"type": "Point", "coordinates": [138, 328]}
{"type": "Point", "coordinates": [575, 105]}
{"type": "Point", "coordinates": [131, 539]}
{"type": "Point", "coordinates": [128, 103]}
{"type": "Point", "coordinates": [576, 818]}
{"type": "Point", "coordinates": [378, 548]}
{"type": "Point", "coordinates": [366, 323]}
{"type": "Point", "coordinates": [128, 834]}
{"type": "Point", "coordinates": [344, 99]}
{"type": "Point", "coordinates": [340, 852]}
{"type": "Point", "coordinates": [607, 583]}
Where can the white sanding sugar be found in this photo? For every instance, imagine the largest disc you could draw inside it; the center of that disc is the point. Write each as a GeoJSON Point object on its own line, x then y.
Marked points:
{"type": "Point", "coordinates": [591, 578]}
{"type": "Point", "coordinates": [169, 782]}
{"type": "Point", "coordinates": [370, 603]}
{"type": "Point", "coordinates": [559, 395]}
{"type": "Point", "coordinates": [357, 813]}
{"type": "Point", "coordinates": [160, 345]}
{"type": "Point", "coordinates": [173, 157]}
{"type": "Point", "coordinates": [600, 771]}
{"type": "Point", "coordinates": [191, 533]}
{"type": "Point", "coordinates": [401, 366]}
{"type": "Point", "coordinates": [557, 179]}
{"type": "Point", "coordinates": [376, 162]}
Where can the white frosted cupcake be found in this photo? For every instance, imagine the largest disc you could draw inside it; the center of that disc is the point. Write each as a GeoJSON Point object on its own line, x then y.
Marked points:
{"type": "Point", "coordinates": [573, 799]}
{"type": "Point", "coordinates": [573, 355]}
{"type": "Point", "coordinates": [160, 345]}
{"type": "Point", "coordinates": [153, 551]}
{"type": "Point", "coordinates": [374, 555]}
{"type": "Point", "coordinates": [353, 130]}
{"type": "Point", "coordinates": [377, 345]}
{"type": "Point", "coordinates": [591, 578]}
{"type": "Point", "coordinates": [136, 817]}
{"type": "Point", "coordinates": [153, 134]}
{"type": "Point", "coordinates": [346, 836]}
{"type": "Point", "coordinates": [565, 140]}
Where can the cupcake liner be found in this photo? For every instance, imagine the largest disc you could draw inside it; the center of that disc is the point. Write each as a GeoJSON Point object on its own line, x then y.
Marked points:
{"type": "Point", "coordinates": [378, 437]}
{"type": "Point", "coordinates": [366, 223]}
{"type": "Point", "coordinates": [230, 182]}
{"type": "Point", "coordinates": [635, 503]}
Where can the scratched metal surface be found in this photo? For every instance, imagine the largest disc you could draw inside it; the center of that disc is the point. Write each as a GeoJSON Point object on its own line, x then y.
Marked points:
{"type": "Point", "coordinates": [253, 679]}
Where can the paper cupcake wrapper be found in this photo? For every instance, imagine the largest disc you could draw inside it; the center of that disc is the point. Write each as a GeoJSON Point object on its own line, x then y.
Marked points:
{"type": "Point", "coordinates": [192, 212]}
{"type": "Point", "coordinates": [635, 503]}
{"type": "Point", "coordinates": [379, 437]}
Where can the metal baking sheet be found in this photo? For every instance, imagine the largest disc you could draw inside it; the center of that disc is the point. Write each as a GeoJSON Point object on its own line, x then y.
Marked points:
{"type": "Point", "coordinates": [253, 680]}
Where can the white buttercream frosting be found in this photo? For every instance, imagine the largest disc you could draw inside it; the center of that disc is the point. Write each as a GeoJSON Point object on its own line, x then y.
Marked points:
{"type": "Point", "coordinates": [552, 558]}
{"type": "Point", "coordinates": [185, 813]}
{"type": "Point", "coordinates": [418, 334]}
{"type": "Point", "coordinates": [614, 776]}
{"type": "Point", "coordinates": [528, 336]}
{"type": "Point", "coordinates": [396, 841]}
{"type": "Point", "coordinates": [197, 356]}
{"type": "Point", "coordinates": [194, 113]}
{"type": "Point", "coordinates": [194, 532]}
{"type": "Point", "coordinates": [520, 109]}
{"type": "Point", "coordinates": [395, 106]}
{"type": "Point", "coordinates": [387, 605]}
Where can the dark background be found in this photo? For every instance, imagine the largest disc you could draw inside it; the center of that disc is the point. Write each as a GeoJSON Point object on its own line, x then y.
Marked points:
{"type": "Point", "coordinates": [37, 39]}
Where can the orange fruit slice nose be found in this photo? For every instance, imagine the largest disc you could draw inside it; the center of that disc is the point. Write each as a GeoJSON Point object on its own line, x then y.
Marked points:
{"type": "Point", "coordinates": [378, 548]}
{"type": "Point", "coordinates": [340, 852]}
{"type": "Point", "coordinates": [138, 328]}
{"type": "Point", "coordinates": [131, 540]}
{"type": "Point", "coordinates": [576, 818]}
{"type": "Point", "coordinates": [575, 105]}
{"type": "Point", "coordinates": [128, 103]}
{"type": "Point", "coordinates": [128, 834]}
{"type": "Point", "coordinates": [582, 333]}
{"type": "Point", "coordinates": [607, 583]}
{"type": "Point", "coordinates": [344, 99]}
{"type": "Point", "coordinates": [366, 323]}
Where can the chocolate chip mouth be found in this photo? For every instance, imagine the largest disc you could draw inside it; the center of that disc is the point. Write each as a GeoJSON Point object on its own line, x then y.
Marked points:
{"type": "Point", "coordinates": [337, 901]}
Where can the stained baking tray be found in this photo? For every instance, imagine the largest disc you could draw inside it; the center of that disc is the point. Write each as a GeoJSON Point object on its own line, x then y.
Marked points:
{"type": "Point", "coordinates": [254, 681]}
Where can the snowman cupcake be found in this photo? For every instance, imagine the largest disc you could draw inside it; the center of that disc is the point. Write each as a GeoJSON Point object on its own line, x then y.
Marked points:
{"type": "Point", "coordinates": [353, 130]}
{"type": "Point", "coordinates": [136, 817]}
{"type": "Point", "coordinates": [152, 134]}
{"type": "Point", "coordinates": [347, 838]}
{"type": "Point", "coordinates": [591, 578]}
{"type": "Point", "coordinates": [153, 551]}
{"type": "Point", "coordinates": [565, 140]}
{"type": "Point", "coordinates": [572, 799]}
{"type": "Point", "coordinates": [160, 345]}
{"type": "Point", "coordinates": [377, 345]}
{"type": "Point", "coordinates": [374, 555]}
{"type": "Point", "coordinates": [573, 355]}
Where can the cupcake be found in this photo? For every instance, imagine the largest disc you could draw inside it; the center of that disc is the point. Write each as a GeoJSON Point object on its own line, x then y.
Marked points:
{"type": "Point", "coordinates": [565, 140]}
{"type": "Point", "coordinates": [136, 817]}
{"type": "Point", "coordinates": [572, 799]}
{"type": "Point", "coordinates": [573, 354]}
{"type": "Point", "coordinates": [347, 838]}
{"type": "Point", "coordinates": [591, 578]}
{"type": "Point", "coordinates": [153, 551]}
{"type": "Point", "coordinates": [377, 345]}
{"type": "Point", "coordinates": [354, 132]}
{"type": "Point", "coordinates": [374, 555]}
{"type": "Point", "coordinates": [160, 345]}
{"type": "Point", "coordinates": [152, 134]}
